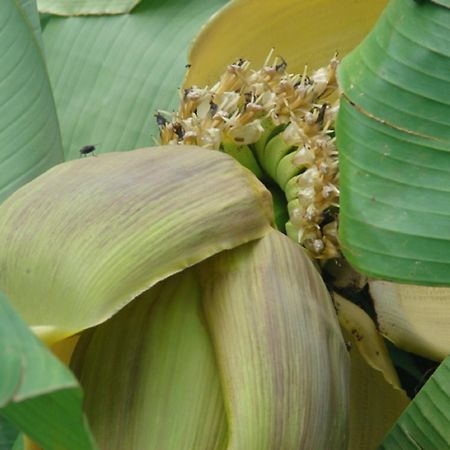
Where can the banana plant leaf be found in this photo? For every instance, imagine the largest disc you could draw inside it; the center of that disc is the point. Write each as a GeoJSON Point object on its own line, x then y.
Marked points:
{"type": "Point", "coordinates": [31, 13]}
{"type": "Point", "coordinates": [425, 424]}
{"type": "Point", "coordinates": [38, 394]}
{"type": "Point", "coordinates": [393, 133]}
{"type": "Point", "coordinates": [19, 444]}
{"type": "Point", "coordinates": [111, 73]}
{"type": "Point", "coordinates": [8, 433]}
{"type": "Point", "coordinates": [30, 141]}
{"type": "Point", "coordinates": [302, 32]}
{"type": "Point", "coordinates": [376, 398]}
{"type": "Point", "coordinates": [414, 318]}
{"type": "Point", "coordinates": [86, 7]}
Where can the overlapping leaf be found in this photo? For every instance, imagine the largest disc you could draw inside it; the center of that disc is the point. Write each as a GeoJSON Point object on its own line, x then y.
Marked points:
{"type": "Point", "coordinates": [37, 393]}
{"type": "Point", "coordinates": [29, 8]}
{"type": "Point", "coordinates": [86, 7]}
{"type": "Point", "coordinates": [425, 424]}
{"type": "Point", "coordinates": [302, 32]}
{"type": "Point", "coordinates": [110, 74]}
{"type": "Point", "coordinates": [376, 398]}
{"type": "Point", "coordinates": [415, 318]}
{"type": "Point", "coordinates": [394, 138]}
{"type": "Point", "coordinates": [8, 434]}
{"type": "Point", "coordinates": [30, 141]}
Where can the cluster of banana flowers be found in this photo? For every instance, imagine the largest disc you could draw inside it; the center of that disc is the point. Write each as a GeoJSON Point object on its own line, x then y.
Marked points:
{"type": "Point", "coordinates": [189, 320]}
{"type": "Point", "coordinates": [281, 126]}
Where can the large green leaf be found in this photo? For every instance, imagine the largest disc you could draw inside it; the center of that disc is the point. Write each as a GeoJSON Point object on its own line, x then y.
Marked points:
{"type": "Point", "coordinates": [394, 138]}
{"type": "Point", "coordinates": [425, 424]}
{"type": "Point", "coordinates": [110, 74]}
{"type": "Point", "coordinates": [8, 433]}
{"type": "Point", "coordinates": [89, 235]}
{"type": "Point", "coordinates": [37, 393]}
{"type": "Point", "coordinates": [85, 7]}
{"type": "Point", "coordinates": [445, 3]}
{"type": "Point", "coordinates": [31, 13]}
{"type": "Point", "coordinates": [30, 141]}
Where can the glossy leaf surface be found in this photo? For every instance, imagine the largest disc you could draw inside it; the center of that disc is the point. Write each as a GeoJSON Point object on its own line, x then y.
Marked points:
{"type": "Point", "coordinates": [30, 141]}
{"type": "Point", "coordinates": [86, 7]}
{"type": "Point", "coordinates": [37, 393]}
{"type": "Point", "coordinates": [110, 74]}
{"type": "Point", "coordinates": [393, 133]}
{"type": "Point", "coordinates": [425, 424]}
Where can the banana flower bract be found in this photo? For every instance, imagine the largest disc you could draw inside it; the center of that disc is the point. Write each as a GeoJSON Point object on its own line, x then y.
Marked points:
{"type": "Point", "coordinates": [231, 340]}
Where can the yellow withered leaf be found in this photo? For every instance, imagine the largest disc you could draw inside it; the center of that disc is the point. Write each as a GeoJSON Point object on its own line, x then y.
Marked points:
{"type": "Point", "coordinates": [415, 318]}
{"type": "Point", "coordinates": [85, 238]}
{"type": "Point", "coordinates": [376, 398]}
{"type": "Point", "coordinates": [368, 341]}
{"type": "Point", "coordinates": [302, 32]}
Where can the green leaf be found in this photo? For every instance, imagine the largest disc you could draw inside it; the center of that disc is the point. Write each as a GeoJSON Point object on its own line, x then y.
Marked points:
{"type": "Point", "coordinates": [30, 9]}
{"type": "Point", "coordinates": [111, 74]}
{"type": "Point", "coordinates": [425, 424]}
{"type": "Point", "coordinates": [19, 444]}
{"type": "Point", "coordinates": [280, 210]}
{"type": "Point", "coordinates": [87, 237]}
{"type": "Point", "coordinates": [38, 394]}
{"type": "Point", "coordinates": [86, 7]}
{"type": "Point", "coordinates": [444, 3]}
{"type": "Point", "coordinates": [30, 141]}
{"type": "Point", "coordinates": [394, 139]}
{"type": "Point", "coordinates": [403, 360]}
{"type": "Point", "coordinates": [405, 57]}
{"type": "Point", "coordinates": [8, 433]}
